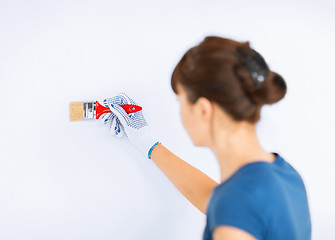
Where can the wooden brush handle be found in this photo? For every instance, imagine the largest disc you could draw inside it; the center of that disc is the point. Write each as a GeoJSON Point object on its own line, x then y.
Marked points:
{"type": "Point", "coordinates": [129, 108]}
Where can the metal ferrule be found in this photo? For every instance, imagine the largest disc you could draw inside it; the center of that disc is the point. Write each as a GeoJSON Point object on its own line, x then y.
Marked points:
{"type": "Point", "coordinates": [89, 110]}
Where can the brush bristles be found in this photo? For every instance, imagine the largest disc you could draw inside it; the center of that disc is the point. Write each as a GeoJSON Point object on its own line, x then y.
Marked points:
{"type": "Point", "coordinates": [76, 111]}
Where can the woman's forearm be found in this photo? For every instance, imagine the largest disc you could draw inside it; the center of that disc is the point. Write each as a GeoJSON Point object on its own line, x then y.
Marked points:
{"type": "Point", "coordinates": [191, 182]}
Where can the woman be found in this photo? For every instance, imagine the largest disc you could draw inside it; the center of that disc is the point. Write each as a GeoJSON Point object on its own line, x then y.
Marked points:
{"type": "Point", "coordinates": [221, 85]}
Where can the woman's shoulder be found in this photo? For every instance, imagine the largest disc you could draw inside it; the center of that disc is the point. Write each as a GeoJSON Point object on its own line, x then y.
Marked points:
{"type": "Point", "coordinates": [258, 182]}
{"type": "Point", "coordinates": [257, 197]}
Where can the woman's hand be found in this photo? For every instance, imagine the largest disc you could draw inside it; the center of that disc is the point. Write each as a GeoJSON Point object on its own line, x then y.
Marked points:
{"type": "Point", "coordinates": [132, 126]}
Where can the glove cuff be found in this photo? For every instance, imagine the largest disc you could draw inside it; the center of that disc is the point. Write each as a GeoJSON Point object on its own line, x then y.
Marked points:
{"type": "Point", "coordinates": [145, 142]}
{"type": "Point", "coordinates": [152, 148]}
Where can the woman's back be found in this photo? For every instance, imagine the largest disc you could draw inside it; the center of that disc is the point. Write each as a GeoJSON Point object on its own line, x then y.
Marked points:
{"type": "Point", "coordinates": [267, 200]}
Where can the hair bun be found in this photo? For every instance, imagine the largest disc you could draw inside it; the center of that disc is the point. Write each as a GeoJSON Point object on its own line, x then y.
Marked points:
{"type": "Point", "coordinates": [261, 84]}
{"type": "Point", "coordinates": [272, 90]}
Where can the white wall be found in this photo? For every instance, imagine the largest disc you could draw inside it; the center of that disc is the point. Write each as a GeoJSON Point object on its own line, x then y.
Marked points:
{"type": "Point", "coordinates": [62, 180]}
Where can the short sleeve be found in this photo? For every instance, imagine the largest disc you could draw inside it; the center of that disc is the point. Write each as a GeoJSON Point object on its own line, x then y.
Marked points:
{"type": "Point", "coordinates": [239, 209]}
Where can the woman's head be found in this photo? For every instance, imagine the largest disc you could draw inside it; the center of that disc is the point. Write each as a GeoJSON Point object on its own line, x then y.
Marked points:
{"type": "Point", "coordinates": [227, 76]}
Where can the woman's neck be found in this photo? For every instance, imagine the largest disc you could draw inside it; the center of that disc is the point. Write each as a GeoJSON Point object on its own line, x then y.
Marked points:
{"type": "Point", "coordinates": [238, 147]}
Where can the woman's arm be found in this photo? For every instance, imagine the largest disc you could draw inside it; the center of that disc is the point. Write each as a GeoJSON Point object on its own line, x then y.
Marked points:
{"type": "Point", "coordinates": [191, 182]}
{"type": "Point", "coordinates": [228, 232]}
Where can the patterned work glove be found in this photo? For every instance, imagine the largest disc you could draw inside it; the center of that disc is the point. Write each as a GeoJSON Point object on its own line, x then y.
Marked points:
{"type": "Point", "coordinates": [112, 122]}
{"type": "Point", "coordinates": [132, 126]}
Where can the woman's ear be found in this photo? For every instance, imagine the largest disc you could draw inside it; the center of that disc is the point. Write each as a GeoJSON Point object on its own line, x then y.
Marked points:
{"type": "Point", "coordinates": [204, 108]}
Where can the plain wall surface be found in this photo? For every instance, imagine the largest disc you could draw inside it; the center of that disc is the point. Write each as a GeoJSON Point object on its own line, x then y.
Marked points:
{"type": "Point", "coordinates": [64, 180]}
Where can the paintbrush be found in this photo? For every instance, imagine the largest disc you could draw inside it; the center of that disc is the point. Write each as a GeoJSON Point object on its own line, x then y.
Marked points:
{"type": "Point", "coordinates": [93, 110]}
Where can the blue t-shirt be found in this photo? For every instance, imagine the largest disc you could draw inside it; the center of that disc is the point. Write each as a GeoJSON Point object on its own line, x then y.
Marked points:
{"type": "Point", "coordinates": [267, 200]}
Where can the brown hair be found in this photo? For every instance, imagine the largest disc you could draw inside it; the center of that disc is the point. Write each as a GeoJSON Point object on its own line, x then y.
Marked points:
{"type": "Point", "coordinates": [231, 74]}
